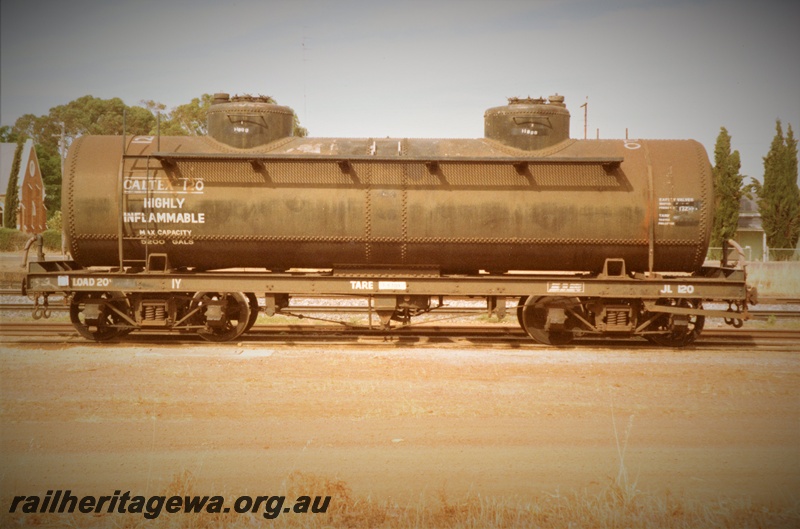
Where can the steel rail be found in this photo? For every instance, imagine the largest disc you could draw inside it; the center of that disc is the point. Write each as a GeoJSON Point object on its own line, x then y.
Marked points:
{"type": "Point", "coordinates": [444, 331]}
{"type": "Point", "coordinates": [360, 309]}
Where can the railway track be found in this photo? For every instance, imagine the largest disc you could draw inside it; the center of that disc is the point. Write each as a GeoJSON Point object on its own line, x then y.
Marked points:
{"type": "Point", "coordinates": [340, 306]}
{"type": "Point", "coordinates": [310, 331]}
{"type": "Point", "coordinates": [500, 336]}
{"type": "Point", "coordinates": [315, 309]}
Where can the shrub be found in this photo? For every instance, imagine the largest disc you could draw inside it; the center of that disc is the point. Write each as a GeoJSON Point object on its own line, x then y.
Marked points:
{"type": "Point", "coordinates": [54, 222]}
{"type": "Point", "coordinates": [12, 240]}
{"type": "Point", "coordinates": [52, 240]}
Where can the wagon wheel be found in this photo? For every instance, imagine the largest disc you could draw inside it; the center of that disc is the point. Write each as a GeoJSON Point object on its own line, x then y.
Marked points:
{"type": "Point", "coordinates": [109, 324]}
{"type": "Point", "coordinates": [672, 336]}
{"type": "Point", "coordinates": [253, 302]}
{"type": "Point", "coordinates": [236, 315]}
{"type": "Point", "coordinates": [534, 318]}
{"type": "Point", "coordinates": [520, 306]}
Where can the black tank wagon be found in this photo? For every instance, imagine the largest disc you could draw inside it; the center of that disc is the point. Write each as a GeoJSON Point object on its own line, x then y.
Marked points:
{"type": "Point", "coordinates": [592, 237]}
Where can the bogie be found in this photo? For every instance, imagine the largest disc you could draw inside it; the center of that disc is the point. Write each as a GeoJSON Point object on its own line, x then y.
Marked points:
{"type": "Point", "coordinates": [100, 316]}
{"type": "Point", "coordinates": [550, 320]}
{"type": "Point", "coordinates": [676, 330]}
{"type": "Point", "coordinates": [558, 320]}
{"type": "Point", "coordinates": [215, 316]}
{"type": "Point", "coordinates": [224, 316]}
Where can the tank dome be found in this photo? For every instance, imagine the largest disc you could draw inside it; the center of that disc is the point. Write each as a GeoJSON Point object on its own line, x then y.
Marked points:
{"type": "Point", "coordinates": [529, 124]}
{"type": "Point", "coordinates": [245, 122]}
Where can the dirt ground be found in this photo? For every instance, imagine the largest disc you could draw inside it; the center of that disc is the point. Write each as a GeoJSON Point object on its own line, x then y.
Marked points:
{"type": "Point", "coordinates": [400, 423]}
{"type": "Point", "coordinates": [410, 425]}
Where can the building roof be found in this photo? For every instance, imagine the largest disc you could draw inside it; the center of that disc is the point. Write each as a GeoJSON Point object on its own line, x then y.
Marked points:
{"type": "Point", "coordinates": [7, 151]}
{"type": "Point", "coordinates": [750, 224]}
{"type": "Point", "coordinates": [748, 206]}
{"type": "Point", "coordinates": [749, 216]}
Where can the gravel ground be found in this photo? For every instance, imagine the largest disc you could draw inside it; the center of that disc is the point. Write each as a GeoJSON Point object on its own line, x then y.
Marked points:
{"type": "Point", "coordinates": [401, 423]}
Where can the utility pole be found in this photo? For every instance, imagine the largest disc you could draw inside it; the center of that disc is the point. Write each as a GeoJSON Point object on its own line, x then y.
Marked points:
{"type": "Point", "coordinates": [585, 108]}
{"type": "Point", "coordinates": [304, 49]}
{"type": "Point", "coordinates": [62, 153]}
{"type": "Point", "coordinates": [62, 145]}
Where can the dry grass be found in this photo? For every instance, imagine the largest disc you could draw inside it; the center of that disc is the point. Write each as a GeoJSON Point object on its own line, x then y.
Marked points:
{"type": "Point", "coordinates": [618, 505]}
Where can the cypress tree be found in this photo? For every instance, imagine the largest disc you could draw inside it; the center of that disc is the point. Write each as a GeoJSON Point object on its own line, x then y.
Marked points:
{"type": "Point", "coordinates": [11, 205]}
{"type": "Point", "coordinates": [727, 189]}
{"type": "Point", "coordinates": [779, 196]}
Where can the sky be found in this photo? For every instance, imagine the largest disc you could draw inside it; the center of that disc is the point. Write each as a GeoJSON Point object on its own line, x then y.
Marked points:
{"type": "Point", "coordinates": [668, 69]}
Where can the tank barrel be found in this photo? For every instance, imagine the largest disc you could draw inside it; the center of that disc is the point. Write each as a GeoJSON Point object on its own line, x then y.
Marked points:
{"type": "Point", "coordinates": [525, 197]}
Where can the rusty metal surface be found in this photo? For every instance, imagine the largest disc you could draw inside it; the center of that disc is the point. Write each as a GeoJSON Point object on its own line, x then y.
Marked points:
{"type": "Point", "coordinates": [528, 124]}
{"type": "Point", "coordinates": [458, 205]}
{"type": "Point", "coordinates": [245, 121]}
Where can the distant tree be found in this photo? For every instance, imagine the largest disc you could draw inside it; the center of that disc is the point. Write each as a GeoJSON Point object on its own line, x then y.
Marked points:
{"type": "Point", "coordinates": [93, 115]}
{"type": "Point", "coordinates": [184, 120]}
{"type": "Point", "coordinates": [85, 115]}
{"type": "Point", "coordinates": [191, 118]}
{"type": "Point", "coordinates": [779, 196]}
{"type": "Point", "coordinates": [727, 189]}
{"type": "Point", "coordinates": [7, 135]}
{"type": "Point", "coordinates": [11, 205]}
{"type": "Point", "coordinates": [300, 132]}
